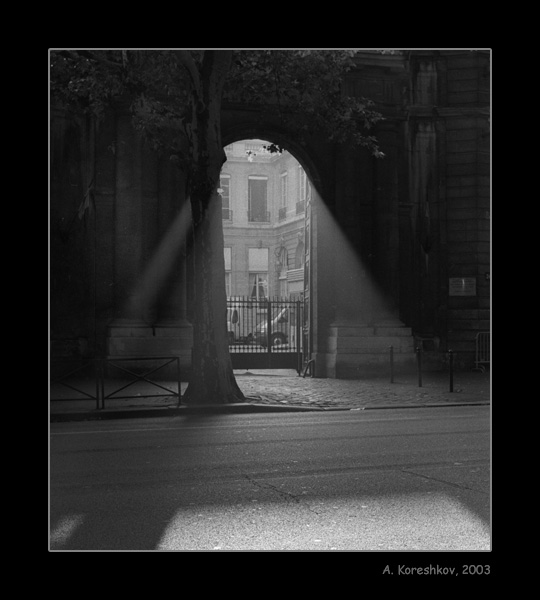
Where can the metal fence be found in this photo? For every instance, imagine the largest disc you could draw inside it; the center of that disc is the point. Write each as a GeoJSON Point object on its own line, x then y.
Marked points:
{"type": "Point", "coordinates": [265, 333]}
{"type": "Point", "coordinates": [483, 350]}
{"type": "Point", "coordinates": [78, 379]}
{"type": "Point", "coordinates": [102, 379]}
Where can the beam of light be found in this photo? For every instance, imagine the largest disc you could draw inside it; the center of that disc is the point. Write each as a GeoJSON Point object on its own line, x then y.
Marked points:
{"type": "Point", "coordinates": [161, 264]}
{"type": "Point", "coordinates": [361, 300]}
{"type": "Point", "coordinates": [65, 529]}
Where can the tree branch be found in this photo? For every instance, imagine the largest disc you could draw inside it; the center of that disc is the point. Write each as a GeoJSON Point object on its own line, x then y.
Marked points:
{"type": "Point", "coordinates": [184, 59]}
{"type": "Point", "coordinates": [78, 54]}
{"type": "Point", "coordinates": [216, 64]}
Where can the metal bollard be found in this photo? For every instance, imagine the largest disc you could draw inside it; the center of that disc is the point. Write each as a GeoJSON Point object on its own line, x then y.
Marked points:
{"type": "Point", "coordinates": [391, 364]}
{"type": "Point", "coordinates": [451, 364]}
{"type": "Point", "coordinates": [419, 362]}
{"type": "Point", "coordinates": [179, 381]}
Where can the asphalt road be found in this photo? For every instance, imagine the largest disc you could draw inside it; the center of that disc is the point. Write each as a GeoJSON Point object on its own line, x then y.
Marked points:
{"type": "Point", "coordinates": [413, 479]}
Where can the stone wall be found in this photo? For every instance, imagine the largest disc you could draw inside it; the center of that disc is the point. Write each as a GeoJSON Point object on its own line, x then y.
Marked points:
{"type": "Point", "coordinates": [417, 222]}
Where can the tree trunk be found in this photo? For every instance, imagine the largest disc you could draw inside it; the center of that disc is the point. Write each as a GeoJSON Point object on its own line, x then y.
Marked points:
{"type": "Point", "coordinates": [212, 378]}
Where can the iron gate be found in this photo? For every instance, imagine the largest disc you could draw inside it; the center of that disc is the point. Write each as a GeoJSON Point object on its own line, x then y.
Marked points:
{"type": "Point", "coordinates": [265, 334]}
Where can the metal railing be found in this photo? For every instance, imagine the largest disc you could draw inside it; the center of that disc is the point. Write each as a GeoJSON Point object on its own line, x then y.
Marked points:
{"type": "Point", "coordinates": [97, 373]}
{"type": "Point", "coordinates": [258, 216]}
{"type": "Point", "coordinates": [268, 328]}
{"type": "Point", "coordinates": [482, 349]}
{"type": "Point", "coordinates": [77, 375]}
{"type": "Point", "coordinates": [259, 325]}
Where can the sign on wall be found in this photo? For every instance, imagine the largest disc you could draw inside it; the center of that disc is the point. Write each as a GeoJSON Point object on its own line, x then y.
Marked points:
{"type": "Point", "coordinates": [462, 286]}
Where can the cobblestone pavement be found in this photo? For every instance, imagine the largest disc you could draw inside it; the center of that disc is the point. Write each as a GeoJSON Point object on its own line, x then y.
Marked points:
{"type": "Point", "coordinates": [284, 388]}
{"type": "Point", "coordinates": [288, 389]}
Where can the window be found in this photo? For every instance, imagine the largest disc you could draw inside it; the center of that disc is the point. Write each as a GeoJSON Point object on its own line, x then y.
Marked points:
{"type": "Point", "coordinates": [258, 273]}
{"type": "Point", "coordinates": [284, 189]}
{"type": "Point", "coordinates": [258, 285]}
{"type": "Point", "coordinates": [299, 255]}
{"type": "Point", "coordinates": [282, 264]}
{"type": "Point", "coordinates": [228, 269]}
{"type": "Point", "coordinates": [257, 198]}
{"type": "Point", "coordinates": [304, 191]}
{"type": "Point", "coordinates": [225, 185]}
{"type": "Point", "coordinates": [283, 197]}
{"type": "Point", "coordinates": [301, 184]}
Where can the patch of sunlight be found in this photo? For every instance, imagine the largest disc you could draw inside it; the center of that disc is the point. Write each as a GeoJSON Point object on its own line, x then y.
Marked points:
{"type": "Point", "coordinates": [426, 521]}
{"type": "Point", "coordinates": [64, 529]}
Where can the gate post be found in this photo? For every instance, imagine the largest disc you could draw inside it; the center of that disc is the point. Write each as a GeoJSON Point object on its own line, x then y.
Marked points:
{"type": "Point", "coordinates": [419, 364]}
{"type": "Point", "coordinates": [100, 383]}
{"type": "Point", "coordinates": [179, 381]}
{"type": "Point", "coordinates": [451, 366]}
{"type": "Point", "coordinates": [269, 332]}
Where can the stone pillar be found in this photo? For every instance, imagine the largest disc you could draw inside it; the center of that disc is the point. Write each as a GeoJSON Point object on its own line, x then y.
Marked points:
{"type": "Point", "coordinates": [363, 238]}
{"type": "Point", "coordinates": [130, 325]}
{"type": "Point", "coordinates": [172, 330]}
{"type": "Point", "coordinates": [128, 224]}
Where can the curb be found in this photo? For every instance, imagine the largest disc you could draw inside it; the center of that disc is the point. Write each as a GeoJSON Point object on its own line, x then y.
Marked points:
{"type": "Point", "coordinates": [246, 408]}
{"type": "Point", "coordinates": [105, 414]}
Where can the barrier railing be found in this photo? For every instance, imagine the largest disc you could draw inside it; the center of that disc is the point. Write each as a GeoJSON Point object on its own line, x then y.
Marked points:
{"type": "Point", "coordinates": [482, 350]}
{"type": "Point", "coordinates": [76, 374]}
{"type": "Point", "coordinates": [115, 363]}
{"type": "Point", "coordinates": [450, 355]}
{"type": "Point", "coordinates": [85, 375]}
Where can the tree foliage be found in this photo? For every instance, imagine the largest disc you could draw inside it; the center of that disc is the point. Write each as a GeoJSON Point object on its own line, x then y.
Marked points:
{"type": "Point", "coordinates": [304, 88]}
{"type": "Point", "coordinates": [176, 98]}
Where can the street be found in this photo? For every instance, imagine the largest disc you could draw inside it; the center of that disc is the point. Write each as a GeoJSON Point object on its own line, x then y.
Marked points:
{"type": "Point", "coordinates": [400, 479]}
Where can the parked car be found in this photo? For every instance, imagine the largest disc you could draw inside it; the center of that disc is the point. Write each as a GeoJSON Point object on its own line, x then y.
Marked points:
{"type": "Point", "coordinates": [278, 331]}
{"type": "Point", "coordinates": [242, 319]}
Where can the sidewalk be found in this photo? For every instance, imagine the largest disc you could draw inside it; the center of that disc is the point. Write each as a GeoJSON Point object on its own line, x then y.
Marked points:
{"type": "Point", "coordinates": [284, 390]}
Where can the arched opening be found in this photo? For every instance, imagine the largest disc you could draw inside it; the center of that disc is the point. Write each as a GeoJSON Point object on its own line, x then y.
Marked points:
{"type": "Point", "coordinates": [266, 199]}
{"type": "Point", "coordinates": [265, 196]}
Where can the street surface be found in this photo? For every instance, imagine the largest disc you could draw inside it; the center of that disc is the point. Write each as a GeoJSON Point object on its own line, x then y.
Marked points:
{"type": "Point", "coordinates": [401, 479]}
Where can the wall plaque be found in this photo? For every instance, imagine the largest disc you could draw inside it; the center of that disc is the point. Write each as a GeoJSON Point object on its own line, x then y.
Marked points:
{"type": "Point", "coordinates": [462, 286]}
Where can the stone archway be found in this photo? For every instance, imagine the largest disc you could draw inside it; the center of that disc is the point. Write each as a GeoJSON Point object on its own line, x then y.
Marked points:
{"type": "Point", "coordinates": [350, 326]}
{"type": "Point", "coordinates": [288, 272]}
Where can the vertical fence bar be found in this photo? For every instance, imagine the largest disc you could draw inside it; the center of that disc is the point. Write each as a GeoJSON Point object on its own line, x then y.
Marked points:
{"type": "Point", "coordinates": [97, 376]}
{"type": "Point", "coordinates": [298, 344]}
{"type": "Point", "coordinates": [391, 364]}
{"type": "Point", "coordinates": [451, 364]}
{"type": "Point", "coordinates": [419, 363]}
{"type": "Point", "coordinates": [269, 332]}
{"type": "Point", "coordinates": [102, 366]}
{"type": "Point", "coordinates": [179, 381]}
{"type": "Point", "coordinates": [105, 371]}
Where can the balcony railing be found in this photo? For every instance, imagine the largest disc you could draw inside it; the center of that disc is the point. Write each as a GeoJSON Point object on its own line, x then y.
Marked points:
{"type": "Point", "coordinates": [227, 214]}
{"type": "Point", "coordinates": [300, 207]}
{"type": "Point", "coordinates": [258, 216]}
{"type": "Point", "coordinates": [282, 213]}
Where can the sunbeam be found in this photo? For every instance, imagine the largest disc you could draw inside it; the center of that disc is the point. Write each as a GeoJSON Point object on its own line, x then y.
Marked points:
{"type": "Point", "coordinates": [160, 265]}
{"type": "Point", "coordinates": [361, 300]}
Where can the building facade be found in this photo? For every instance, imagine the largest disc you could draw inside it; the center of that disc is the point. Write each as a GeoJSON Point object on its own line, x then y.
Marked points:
{"type": "Point", "coordinates": [264, 205]}
{"type": "Point", "coordinates": [396, 251]}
